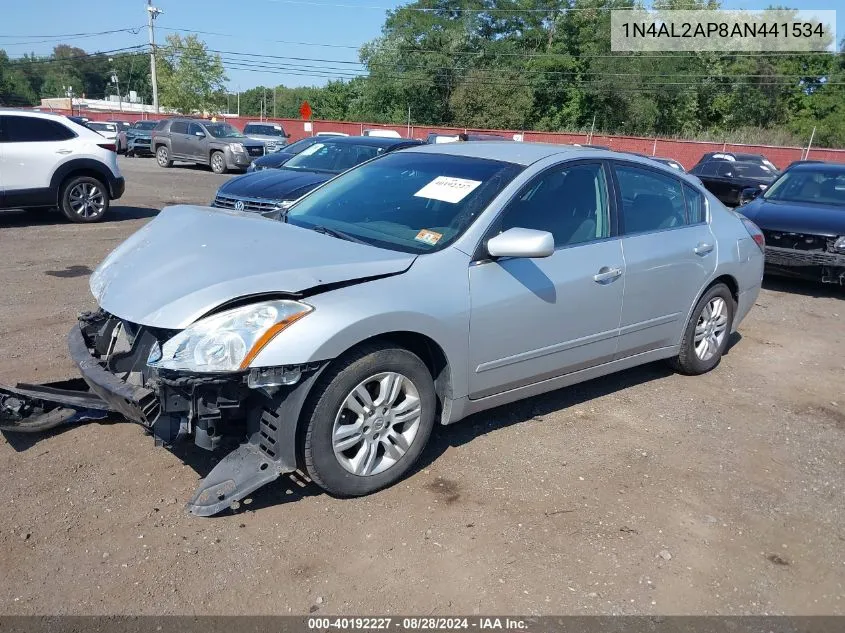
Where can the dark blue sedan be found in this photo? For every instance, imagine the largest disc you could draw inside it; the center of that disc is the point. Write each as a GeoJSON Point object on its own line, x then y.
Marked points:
{"type": "Point", "coordinates": [269, 191]}
{"type": "Point", "coordinates": [802, 215]}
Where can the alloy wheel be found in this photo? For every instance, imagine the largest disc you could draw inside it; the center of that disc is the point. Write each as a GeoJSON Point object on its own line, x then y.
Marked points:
{"type": "Point", "coordinates": [376, 424]}
{"type": "Point", "coordinates": [87, 200]}
{"type": "Point", "coordinates": [711, 328]}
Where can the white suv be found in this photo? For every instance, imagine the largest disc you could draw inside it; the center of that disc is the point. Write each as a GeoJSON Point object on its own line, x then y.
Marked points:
{"type": "Point", "coordinates": [47, 160]}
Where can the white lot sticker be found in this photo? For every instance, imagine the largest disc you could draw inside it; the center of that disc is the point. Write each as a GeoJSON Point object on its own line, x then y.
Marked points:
{"type": "Point", "coordinates": [448, 189]}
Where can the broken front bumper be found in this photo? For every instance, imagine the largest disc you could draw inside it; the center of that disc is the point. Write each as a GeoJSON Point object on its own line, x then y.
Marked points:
{"type": "Point", "coordinates": [111, 356]}
{"type": "Point", "coordinates": [134, 403]}
{"type": "Point", "coordinates": [814, 264]}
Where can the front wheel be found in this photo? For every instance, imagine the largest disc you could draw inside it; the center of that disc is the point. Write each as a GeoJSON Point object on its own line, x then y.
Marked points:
{"type": "Point", "coordinates": [371, 420]}
{"type": "Point", "coordinates": [706, 335]}
{"type": "Point", "coordinates": [84, 199]}
{"type": "Point", "coordinates": [163, 157]}
{"type": "Point", "coordinates": [218, 163]}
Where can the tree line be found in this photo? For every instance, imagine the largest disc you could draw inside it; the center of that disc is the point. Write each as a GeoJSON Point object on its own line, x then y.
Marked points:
{"type": "Point", "coordinates": [513, 64]}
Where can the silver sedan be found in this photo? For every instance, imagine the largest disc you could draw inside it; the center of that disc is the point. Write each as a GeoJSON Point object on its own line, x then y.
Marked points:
{"type": "Point", "coordinates": [415, 289]}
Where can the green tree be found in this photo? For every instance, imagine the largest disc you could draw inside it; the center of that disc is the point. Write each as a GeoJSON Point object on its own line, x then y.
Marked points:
{"type": "Point", "coordinates": [190, 78]}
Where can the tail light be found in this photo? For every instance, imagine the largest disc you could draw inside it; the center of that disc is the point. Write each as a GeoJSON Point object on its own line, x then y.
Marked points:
{"type": "Point", "coordinates": [755, 233]}
{"type": "Point", "coordinates": [109, 146]}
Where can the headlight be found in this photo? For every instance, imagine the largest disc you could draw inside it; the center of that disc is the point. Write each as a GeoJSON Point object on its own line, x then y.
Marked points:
{"type": "Point", "coordinates": [839, 244]}
{"type": "Point", "coordinates": [228, 341]}
{"type": "Point", "coordinates": [238, 148]}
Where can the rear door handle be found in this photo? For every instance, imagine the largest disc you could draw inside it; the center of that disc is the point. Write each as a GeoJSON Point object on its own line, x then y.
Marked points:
{"type": "Point", "coordinates": [607, 274]}
{"type": "Point", "coordinates": [703, 248]}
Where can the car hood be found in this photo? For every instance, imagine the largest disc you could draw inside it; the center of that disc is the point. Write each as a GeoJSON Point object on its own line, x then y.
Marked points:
{"type": "Point", "coordinates": [276, 159]}
{"type": "Point", "coordinates": [190, 260]}
{"type": "Point", "coordinates": [267, 137]}
{"type": "Point", "coordinates": [274, 184]}
{"type": "Point", "coordinates": [796, 217]}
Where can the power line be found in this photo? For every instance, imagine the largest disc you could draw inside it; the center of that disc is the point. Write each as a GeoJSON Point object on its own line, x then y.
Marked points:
{"type": "Point", "coordinates": [27, 61]}
{"type": "Point", "coordinates": [72, 35]}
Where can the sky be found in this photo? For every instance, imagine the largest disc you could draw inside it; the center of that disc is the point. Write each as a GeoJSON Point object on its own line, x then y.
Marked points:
{"type": "Point", "coordinates": [330, 30]}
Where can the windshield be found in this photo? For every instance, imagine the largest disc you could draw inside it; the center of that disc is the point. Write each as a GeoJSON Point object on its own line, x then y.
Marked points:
{"type": "Point", "coordinates": [808, 185]}
{"type": "Point", "coordinates": [410, 202]}
{"type": "Point", "coordinates": [295, 148]}
{"type": "Point", "coordinates": [332, 157]}
{"type": "Point", "coordinates": [264, 130]}
{"type": "Point", "coordinates": [145, 125]}
{"type": "Point", "coordinates": [752, 170]}
{"type": "Point", "coordinates": [223, 130]}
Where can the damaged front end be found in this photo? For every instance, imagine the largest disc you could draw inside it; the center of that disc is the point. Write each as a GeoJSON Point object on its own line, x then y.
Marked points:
{"type": "Point", "coordinates": [257, 408]}
{"type": "Point", "coordinates": [808, 256]}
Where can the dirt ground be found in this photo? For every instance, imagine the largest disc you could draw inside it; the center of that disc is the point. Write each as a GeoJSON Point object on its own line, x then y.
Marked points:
{"type": "Point", "coordinates": [644, 492]}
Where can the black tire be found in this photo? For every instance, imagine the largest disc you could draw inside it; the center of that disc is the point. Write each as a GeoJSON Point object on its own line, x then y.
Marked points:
{"type": "Point", "coordinates": [163, 157]}
{"type": "Point", "coordinates": [94, 190]}
{"type": "Point", "coordinates": [218, 162]}
{"type": "Point", "coordinates": [688, 361]}
{"type": "Point", "coordinates": [330, 392]}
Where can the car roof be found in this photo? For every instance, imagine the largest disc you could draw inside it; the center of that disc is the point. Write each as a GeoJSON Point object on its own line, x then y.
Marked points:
{"type": "Point", "coordinates": [510, 152]}
{"type": "Point", "coordinates": [825, 167]}
{"type": "Point", "coordinates": [373, 141]}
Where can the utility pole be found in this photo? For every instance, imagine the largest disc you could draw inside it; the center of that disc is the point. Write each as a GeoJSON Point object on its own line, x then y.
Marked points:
{"type": "Point", "coordinates": [239, 101]}
{"type": "Point", "coordinates": [152, 14]}
{"type": "Point", "coordinates": [274, 102]}
{"type": "Point", "coordinates": [116, 82]}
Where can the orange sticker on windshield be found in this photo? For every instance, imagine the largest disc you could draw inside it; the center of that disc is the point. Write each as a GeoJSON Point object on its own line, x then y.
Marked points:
{"type": "Point", "coordinates": [428, 237]}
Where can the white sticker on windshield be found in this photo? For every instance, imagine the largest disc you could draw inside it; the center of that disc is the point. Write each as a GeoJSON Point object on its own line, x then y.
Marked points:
{"type": "Point", "coordinates": [448, 189]}
{"type": "Point", "coordinates": [316, 147]}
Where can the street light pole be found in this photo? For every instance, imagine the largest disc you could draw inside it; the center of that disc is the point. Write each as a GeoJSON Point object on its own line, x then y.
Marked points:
{"type": "Point", "coordinates": [152, 14]}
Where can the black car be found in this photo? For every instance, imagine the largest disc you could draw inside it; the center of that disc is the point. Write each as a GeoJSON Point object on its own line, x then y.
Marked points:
{"type": "Point", "coordinates": [802, 216]}
{"type": "Point", "coordinates": [726, 179]}
{"type": "Point", "coordinates": [275, 160]}
{"type": "Point", "coordinates": [269, 191]}
{"type": "Point", "coordinates": [739, 157]}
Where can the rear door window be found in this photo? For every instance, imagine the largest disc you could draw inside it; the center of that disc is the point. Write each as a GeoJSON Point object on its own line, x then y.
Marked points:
{"type": "Point", "coordinates": [694, 199]}
{"type": "Point", "coordinates": [24, 129]}
{"type": "Point", "coordinates": [651, 200]}
{"type": "Point", "coordinates": [179, 127]}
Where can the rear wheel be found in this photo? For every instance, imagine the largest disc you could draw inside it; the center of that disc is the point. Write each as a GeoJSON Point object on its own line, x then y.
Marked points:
{"type": "Point", "coordinates": [371, 420]}
{"type": "Point", "coordinates": [84, 199]}
{"type": "Point", "coordinates": [218, 163]}
{"type": "Point", "coordinates": [706, 336]}
{"type": "Point", "coordinates": [163, 157]}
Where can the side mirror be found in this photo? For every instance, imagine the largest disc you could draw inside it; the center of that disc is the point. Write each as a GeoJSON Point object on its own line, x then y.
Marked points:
{"type": "Point", "coordinates": [199, 134]}
{"type": "Point", "coordinates": [748, 194]}
{"type": "Point", "coordinates": [287, 135]}
{"type": "Point", "coordinates": [518, 242]}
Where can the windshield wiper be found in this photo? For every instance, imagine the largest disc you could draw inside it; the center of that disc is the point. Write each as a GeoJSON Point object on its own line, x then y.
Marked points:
{"type": "Point", "coordinates": [338, 234]}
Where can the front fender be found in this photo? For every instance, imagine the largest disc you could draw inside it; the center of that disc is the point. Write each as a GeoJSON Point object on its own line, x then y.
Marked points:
{"type": "Point", "coordinates": [409, 302]}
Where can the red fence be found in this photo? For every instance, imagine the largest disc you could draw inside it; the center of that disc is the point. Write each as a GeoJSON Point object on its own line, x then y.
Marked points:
{"type": "Point", "coordinates": [685, 152]}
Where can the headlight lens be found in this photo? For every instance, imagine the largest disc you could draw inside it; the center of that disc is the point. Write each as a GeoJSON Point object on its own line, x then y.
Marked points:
{"type": "Point", "coordinates": [228, 341]}
{"type": "Point", "coordinates": [839, 244]}
{"type": "Point", "coordinates": [238, 148]}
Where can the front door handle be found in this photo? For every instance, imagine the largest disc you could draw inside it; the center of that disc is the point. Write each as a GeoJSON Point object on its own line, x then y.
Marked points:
{"type": "Point", "coordinates": [607, 274]}
{"type": "Point", "coordinates": [64, 151]}
{"type": "Point", "coordinates": [703, 249]}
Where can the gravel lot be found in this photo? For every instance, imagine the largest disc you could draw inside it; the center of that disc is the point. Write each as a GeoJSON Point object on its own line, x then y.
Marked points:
{"type": "Point", "coordinates": [644, 492]}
